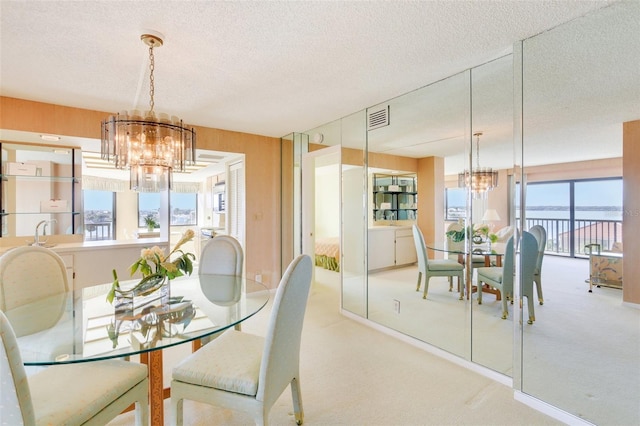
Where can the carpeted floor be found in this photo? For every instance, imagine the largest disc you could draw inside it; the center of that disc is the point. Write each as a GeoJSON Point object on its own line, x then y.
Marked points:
{"type": "Point", "coordinates": [355, 375]}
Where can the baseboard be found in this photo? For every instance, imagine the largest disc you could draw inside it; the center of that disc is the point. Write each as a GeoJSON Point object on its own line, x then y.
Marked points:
{"type": "Point", "coordinates": [550, 410]}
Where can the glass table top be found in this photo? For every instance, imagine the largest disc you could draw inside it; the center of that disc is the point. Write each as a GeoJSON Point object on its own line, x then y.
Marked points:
{"type": "Point", "coordinates": [81, 325]}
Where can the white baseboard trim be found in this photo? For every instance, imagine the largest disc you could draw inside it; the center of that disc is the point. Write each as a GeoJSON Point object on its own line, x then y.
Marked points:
{"type": "Point", "coordinates": [549, 410]}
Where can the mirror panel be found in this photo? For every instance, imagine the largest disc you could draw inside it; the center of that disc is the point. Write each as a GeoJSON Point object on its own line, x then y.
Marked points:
{"type": "Point", "coordinates": [51, 175]}
{"type": "Point", "coordinates": [492, 115]}
{"type": "Point", "coordinates": [581, 82]}
{"type": "Point", "coordinates": [425, 126]}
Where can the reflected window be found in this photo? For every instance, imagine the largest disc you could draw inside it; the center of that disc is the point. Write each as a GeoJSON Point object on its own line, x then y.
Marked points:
{"type": "Point", "coordinates": [99, 220]}
{"type": "Point", "coordinates": [455, 204]}
{"type": "Point", "coordinates": [183, 208]}
{"type": "Point", "coordinates": [575, 213]}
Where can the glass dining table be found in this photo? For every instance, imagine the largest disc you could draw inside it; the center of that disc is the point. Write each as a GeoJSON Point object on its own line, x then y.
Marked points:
{"type": "Point", "coordinates": [82, 326]}
{"type": "Point", "coordinates": [492, 254]}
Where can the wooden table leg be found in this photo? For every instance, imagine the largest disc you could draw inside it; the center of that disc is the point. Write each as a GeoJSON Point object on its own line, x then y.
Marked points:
{"type": "Point", "coordinates": [153, 360]}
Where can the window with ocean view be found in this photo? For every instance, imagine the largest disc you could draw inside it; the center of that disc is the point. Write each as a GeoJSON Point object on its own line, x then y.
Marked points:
{"type": "Point", "coordinates": [576, 213]}
{"type": "Point", "coordinates": [98, 215]}
{"type": "Point", "coordinates": [183, 208]}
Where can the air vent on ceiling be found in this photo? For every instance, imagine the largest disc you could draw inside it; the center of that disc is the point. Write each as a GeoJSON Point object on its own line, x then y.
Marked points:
{"type": "Point", "coordinates": [378, 117]}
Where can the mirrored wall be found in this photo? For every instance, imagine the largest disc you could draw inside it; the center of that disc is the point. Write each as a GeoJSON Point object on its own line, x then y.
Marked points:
{"type": "Point", "coordinates": [557, 117]}
{"type": "Point", "coordinates": [581, 82]}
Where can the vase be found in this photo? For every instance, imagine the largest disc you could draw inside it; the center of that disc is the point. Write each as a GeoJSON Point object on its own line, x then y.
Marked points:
{"type": "Point", "coordinates": [147, 293]}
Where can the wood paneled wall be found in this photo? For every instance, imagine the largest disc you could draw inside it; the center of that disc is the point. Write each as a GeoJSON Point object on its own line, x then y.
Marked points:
{"type": "Point", "coordinates": [631, 216]}
{"type": "Point", "coordinates": [262, 168]}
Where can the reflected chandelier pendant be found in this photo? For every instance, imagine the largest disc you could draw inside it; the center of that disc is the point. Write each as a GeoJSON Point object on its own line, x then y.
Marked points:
{"type": "Point", "coordinates": [481, 180]}
{"type": "Point", "coordinates": [152, 146]}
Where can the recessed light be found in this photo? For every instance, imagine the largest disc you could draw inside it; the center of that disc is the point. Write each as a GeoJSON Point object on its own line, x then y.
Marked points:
{"type": "Point", "coordinates": [61, 151]}
{"type": "Point", "coordinates": [50, 138]}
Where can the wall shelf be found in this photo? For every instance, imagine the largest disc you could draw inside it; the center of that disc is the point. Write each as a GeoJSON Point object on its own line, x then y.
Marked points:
{"type": "Point", "coordinates": [395, 197]}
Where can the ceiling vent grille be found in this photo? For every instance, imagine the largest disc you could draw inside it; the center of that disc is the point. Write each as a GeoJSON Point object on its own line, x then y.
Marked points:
{"type": "Point", "coordinates": [378, 118]}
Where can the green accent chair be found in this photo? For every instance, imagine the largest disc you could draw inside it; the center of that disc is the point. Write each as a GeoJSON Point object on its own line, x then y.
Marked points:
{"type": "Point", "coordinates": [435, 268]}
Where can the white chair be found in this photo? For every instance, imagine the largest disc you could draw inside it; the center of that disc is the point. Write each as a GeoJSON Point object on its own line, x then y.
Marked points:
{"type": "Point", "coordinates": [244, 372]}
{"type": "Point", "coordinates": [435, 268]}
{"type": "Point", "coordinates": [29, 274]}
{"type": "Point", "coordinates": [89, 393]}
{"type": "Point", "coordinates": [221, 255]}
{"type": "Point", "coordinates": [540, 235]}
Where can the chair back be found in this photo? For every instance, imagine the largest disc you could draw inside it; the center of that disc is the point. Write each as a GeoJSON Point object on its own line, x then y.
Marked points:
{"type": "Point", "coordinates": [29, 274]}
{"type": "Point", "coordinates": [221, 255]}
{"type": "Point", "coordinates": [421, 248]}
{"type": "Point", "coordinates": [15, 396]}
{"type": "Point", "coordinates": [529, 256]}
{"type": "Point", "coordinates": [281, 356]}
{"type": "Point", "coordinates": [508, 267]}
{"type": "Point", "coordinates": [540, 234]}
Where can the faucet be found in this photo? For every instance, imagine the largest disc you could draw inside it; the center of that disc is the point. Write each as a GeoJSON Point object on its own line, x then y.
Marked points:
{"type": "Point", "coordinates": [44, 223]}
{"type": "Point", "coordinates": [36, 238]}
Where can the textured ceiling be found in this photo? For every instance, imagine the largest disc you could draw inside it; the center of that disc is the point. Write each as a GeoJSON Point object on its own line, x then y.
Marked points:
{"type": "Point", "coordinates": [276, 67]}
{"type": "Point", "coordinates": [268, 68]}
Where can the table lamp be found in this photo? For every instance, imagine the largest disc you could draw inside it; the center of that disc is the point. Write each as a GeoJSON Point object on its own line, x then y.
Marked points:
{"type": "Point", "coordinates": [490, 215]}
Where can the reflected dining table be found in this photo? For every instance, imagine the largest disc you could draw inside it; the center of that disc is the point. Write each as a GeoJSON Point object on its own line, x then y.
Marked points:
{"type": "Point", "coordinates": [488, 251]}
{"type": "Point", "coordinates": [87, 327]}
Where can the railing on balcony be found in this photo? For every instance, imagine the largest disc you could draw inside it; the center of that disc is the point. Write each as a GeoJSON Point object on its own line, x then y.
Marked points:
{"type": "Point", "coordinates": [565, 239]}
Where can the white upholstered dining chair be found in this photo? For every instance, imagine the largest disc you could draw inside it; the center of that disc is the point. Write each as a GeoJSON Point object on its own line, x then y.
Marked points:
{"type": "Point", "coordinates": [29, 274]}
{"type": "Point", "coordinates": [88, 393]}
{"type": "Point", "coordinates": [245, 372]}
{"type": "Point", "coordinates": [435, 268]}
{"type": "Point", "coordinates": [221, 255]}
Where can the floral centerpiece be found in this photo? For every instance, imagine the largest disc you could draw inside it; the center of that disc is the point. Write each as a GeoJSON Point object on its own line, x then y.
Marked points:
{"type": "Point", "coordinates": [478, 234]}
{"type": "Point", "coordinates": [156, 268]}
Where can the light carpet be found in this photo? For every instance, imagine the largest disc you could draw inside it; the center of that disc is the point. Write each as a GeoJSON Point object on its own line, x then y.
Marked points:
{"type": "Point", "coordinates": [354, 375]}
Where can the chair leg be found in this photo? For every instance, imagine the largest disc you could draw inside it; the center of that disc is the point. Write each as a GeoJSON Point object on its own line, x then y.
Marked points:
{"type": "Point", "coordinates": [532, 315]}
{"type": "Point", "coordinates": [419, 279]}
{"type": "Point", "coordinates": [297, 401]}
{"type": "Point", "coordinates": [176, 411]}
{"type": "Point", "coordinates": [480, 283]}
{"type": "Point", "coordinates": [142, 413]}
{"type": "Point", "coordinates": [539, 288]}
{"type": "Point", "coordinates": [461, 288]}
{"type": "Point", "coordinates": [426, 286]}
{"type": "Point", "coordinates": [450, 284]}
{"type": "Point", "coordinates": [505, 312]}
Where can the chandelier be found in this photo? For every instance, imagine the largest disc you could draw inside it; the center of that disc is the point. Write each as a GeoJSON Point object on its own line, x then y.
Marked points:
{"type": "Point", "coordinates": [481, 180]}
{"type": "Point", "coordinates": [152, 146]}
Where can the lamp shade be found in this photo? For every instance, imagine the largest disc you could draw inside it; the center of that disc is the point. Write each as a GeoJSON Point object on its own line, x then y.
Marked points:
{"type": "Point", "coordinates": [490, 216]}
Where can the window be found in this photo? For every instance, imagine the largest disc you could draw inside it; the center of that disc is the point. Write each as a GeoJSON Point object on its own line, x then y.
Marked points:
{"type": "Point", "coordinates": [575, 213]}
{"type": "Point", "coordinates": [99, 223]}
{"type": "Point", "coordinates": [455, 203]}
{"type": "Point", "coordinates": [183, 208]}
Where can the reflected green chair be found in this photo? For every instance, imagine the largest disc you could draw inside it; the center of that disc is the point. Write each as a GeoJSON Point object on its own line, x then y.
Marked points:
{"type": "Point", "coordinates": [501, 278]}
{"type": "Point", "coordinates": [435, 268]}
{"type": "Point", "coordinates": [540, 235]}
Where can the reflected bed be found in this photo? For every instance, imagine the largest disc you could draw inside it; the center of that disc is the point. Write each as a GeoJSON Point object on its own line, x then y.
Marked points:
{"type": "Point", "coordinates": [327, 253]}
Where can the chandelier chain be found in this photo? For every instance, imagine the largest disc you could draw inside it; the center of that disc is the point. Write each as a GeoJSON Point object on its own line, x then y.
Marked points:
{"type": "Point", "coordinates": [151, 79]}
{"type": "Point", "coordinates": [478, 151]}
